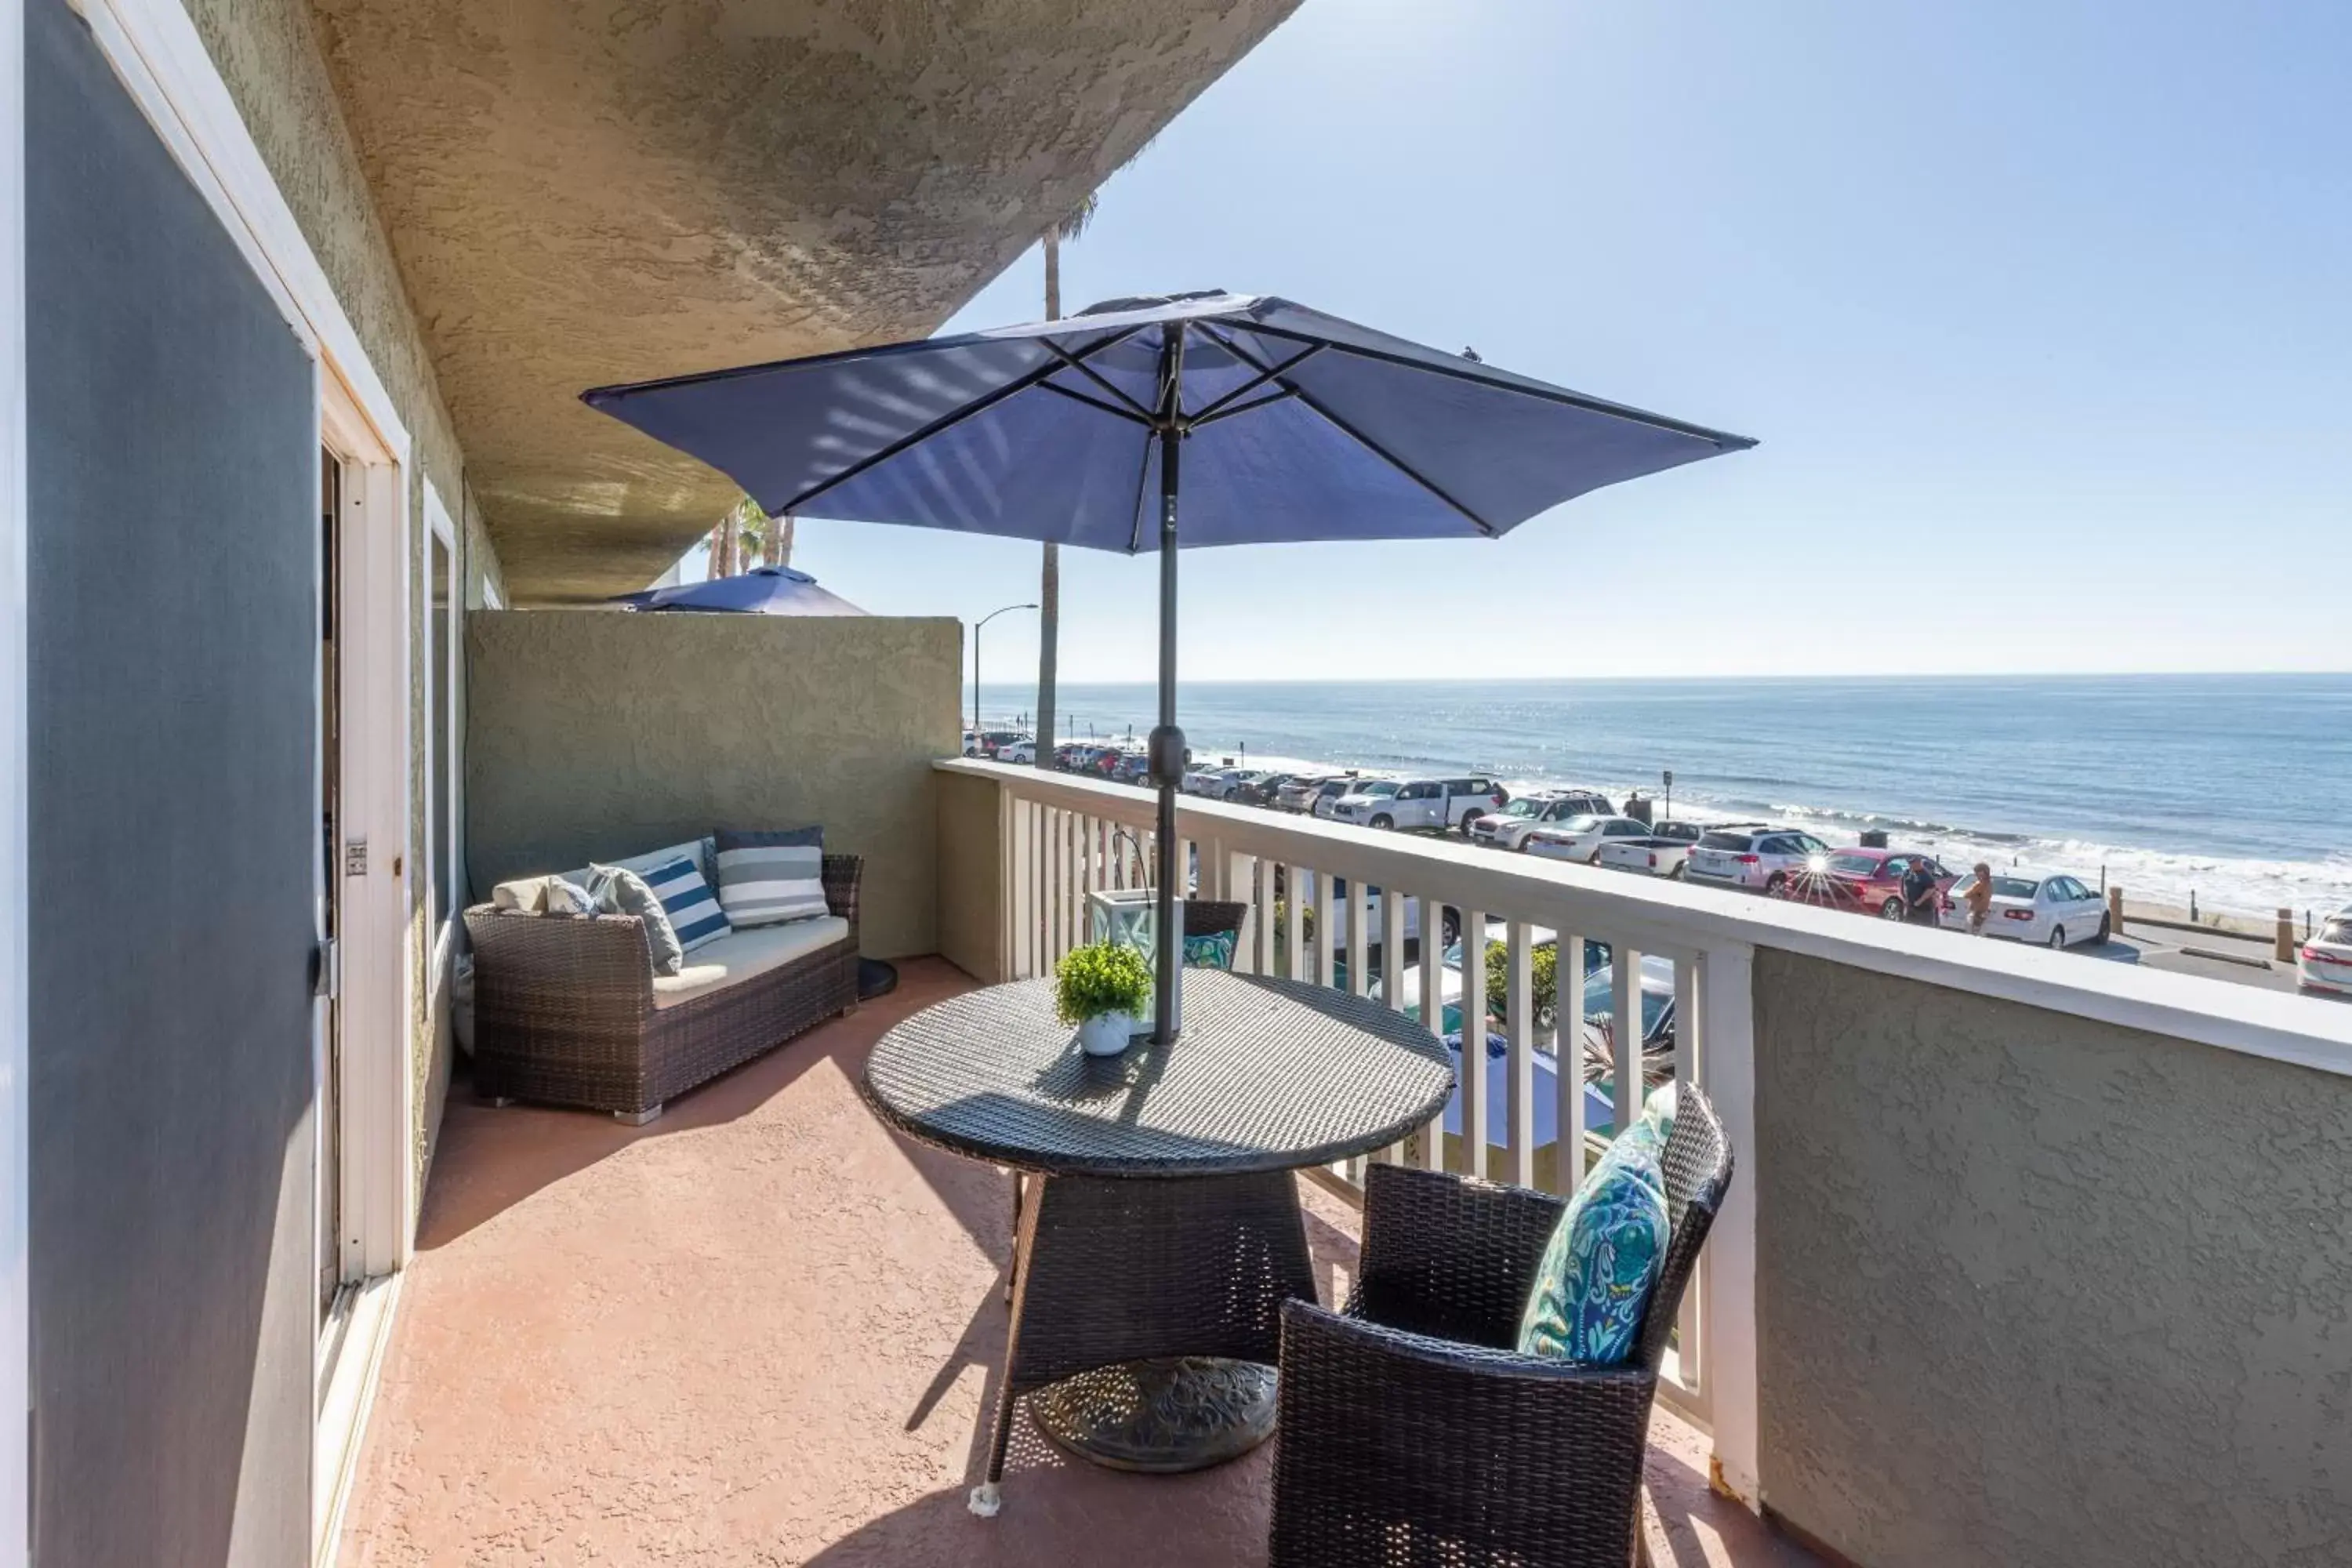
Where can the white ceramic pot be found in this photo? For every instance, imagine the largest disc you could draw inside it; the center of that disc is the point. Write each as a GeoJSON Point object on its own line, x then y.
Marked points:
{"type": "Point", "coordinates": [1106, 1033]}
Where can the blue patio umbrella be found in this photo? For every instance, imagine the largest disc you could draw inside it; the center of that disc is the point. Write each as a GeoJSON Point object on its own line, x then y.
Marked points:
{"type": "Point", "coordinates": [761, 590]}
{"type": "Point", "coordinates": [1287, 424]}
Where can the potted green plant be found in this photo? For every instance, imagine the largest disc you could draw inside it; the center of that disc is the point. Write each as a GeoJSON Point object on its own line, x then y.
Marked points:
{"type": "Point", "coordinates": [1104, 989]}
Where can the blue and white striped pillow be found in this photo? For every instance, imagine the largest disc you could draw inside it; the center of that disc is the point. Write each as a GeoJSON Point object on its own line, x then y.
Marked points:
{"type": "Point", "coordinates": [766, 879]}
{"type": "Point", "coordinates": [693, 909]}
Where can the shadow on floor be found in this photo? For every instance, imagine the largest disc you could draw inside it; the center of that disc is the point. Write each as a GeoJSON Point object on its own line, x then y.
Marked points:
{"type": "Point", "coordinates": [489, 1158]}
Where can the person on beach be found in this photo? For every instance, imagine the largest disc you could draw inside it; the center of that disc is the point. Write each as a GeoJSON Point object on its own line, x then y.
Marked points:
{"type": "Point", "coordinates": [1980, 899]}
{"type": "Point", "coordinates": [1922, 900]}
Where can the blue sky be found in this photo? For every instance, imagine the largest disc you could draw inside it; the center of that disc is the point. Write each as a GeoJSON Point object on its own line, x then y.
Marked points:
{"type": "Point", "coordinates": [2044, 308]}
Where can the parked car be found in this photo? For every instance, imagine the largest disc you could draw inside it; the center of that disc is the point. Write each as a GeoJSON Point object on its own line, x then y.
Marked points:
{"type": "Point", "coordinates": [2029, 906]}
{"type": "Point", "coordinates": [1869, 880]}
{"type": "Point", "coordinates": [1761, 860]}
{"type": "Point", "coordinates": [1367, 799]}
{"type": "Point", "coordinates": [1205, 778]}
{"type": "Point", "coordinates": [1661, 852]}
{"type": "Point", "coordinates": [989, 743]}
{"type": "Point", "coordinates": [1258, 789]}
{"type": "Point", "coordinates": [1507, 828]}
{"type": "Point", "coordinates": [1297, 792]}
{"type": "Point", "coordinates": [2324, 961]}
{"type": "Point", "coordinates": [1331, 792]}
{"type": "Point", "coordinates": [1019, 753]}
{"type": "Point", "coordinates": [1580, 838]}
{"type": "Point", "coordinates": [1438, 804]}
{"type": "Point", "coordinates": [1129, 767]}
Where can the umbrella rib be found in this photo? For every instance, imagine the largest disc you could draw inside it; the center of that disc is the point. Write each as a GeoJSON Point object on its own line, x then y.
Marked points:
{"type": "Point", "coordinates": [1246, 388]}
{"type": "Point", "coordinates": [1078, 362]}
{"type": "Point", "coordinates": [1345, 428]}
{"type": "Point", "coordinates": [1074, 395]}
{"type": "Point", "coordinates": [1542, 394]}
{"type": "Point", "coordinates": [946, 421]}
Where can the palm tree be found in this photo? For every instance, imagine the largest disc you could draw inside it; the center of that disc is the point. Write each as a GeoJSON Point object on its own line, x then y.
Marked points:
{"type": "Point", "coordinates": [1049, 585]}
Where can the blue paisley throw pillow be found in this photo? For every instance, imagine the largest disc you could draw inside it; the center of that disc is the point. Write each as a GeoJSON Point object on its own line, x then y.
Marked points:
{"type": "Point", "coordinates": [1215, 951]}
{"type": "Point", "coordinates": [1602, 1260]}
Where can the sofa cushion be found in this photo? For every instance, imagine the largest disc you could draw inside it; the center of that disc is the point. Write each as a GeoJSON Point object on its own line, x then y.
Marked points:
{"type": "Point", "coordinates": [740, 955]}
{"type": "Point", "coordinates": [621, 892]}
{"type": "Point", "coordinates": [768, 878]}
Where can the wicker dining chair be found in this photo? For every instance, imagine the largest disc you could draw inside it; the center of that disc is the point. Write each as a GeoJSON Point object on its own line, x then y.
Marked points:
{"type": "Point", "coordinates": [1411, 1430]}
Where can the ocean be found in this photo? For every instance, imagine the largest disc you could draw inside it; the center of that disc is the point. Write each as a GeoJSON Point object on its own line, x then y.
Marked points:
{"type": "Point", "coordinates": [2234, 787]}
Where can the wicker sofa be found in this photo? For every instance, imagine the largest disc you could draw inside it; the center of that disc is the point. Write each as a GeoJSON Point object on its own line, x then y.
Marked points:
{"type": "Point", "coordinates": [567, 1010]}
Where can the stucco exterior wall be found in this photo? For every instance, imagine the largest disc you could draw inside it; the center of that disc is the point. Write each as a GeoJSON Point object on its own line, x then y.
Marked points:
{"type": "Point", "coordinates": [2036, 1289]}
{"type": "Point", "coordinates": [971, 876]}
{"type": "Point", "coordinates": [267, 53]}
{"type": "Point", "coordinates": [598, 734]}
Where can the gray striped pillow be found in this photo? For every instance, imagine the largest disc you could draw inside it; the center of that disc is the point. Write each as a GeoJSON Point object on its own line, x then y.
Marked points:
{"type": "Point", "coordinates": [766, 879]}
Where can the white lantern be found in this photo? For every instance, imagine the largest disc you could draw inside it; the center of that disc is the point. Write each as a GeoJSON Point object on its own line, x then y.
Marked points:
{"type": "Point", "coordinates": [1128, 917]}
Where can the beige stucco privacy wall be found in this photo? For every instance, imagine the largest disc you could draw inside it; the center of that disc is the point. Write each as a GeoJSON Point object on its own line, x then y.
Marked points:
{"type": "Point", "coordinates": [2034, 1289]}
{"type": "Point", "coordinates": [267, 53]}
{"type": "Point", "coordinates": [595, 735]}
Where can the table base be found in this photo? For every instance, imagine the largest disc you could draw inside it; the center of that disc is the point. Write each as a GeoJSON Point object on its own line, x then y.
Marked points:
{"type": "Point", "coordinates": [1160, 1417]}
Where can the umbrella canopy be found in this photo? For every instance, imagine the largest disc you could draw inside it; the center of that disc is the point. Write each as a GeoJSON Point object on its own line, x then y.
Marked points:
{"type": "Point", "coordinates": [1287, 424]}
{"type": "Point", "coordinates": [1297, 426]}
{"type": "Point", "coordinates": [761, 590]}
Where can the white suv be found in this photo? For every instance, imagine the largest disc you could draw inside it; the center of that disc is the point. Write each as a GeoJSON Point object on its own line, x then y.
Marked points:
{"type": "Point", "coordinates": [1421, 803]}
{"type": "Point", "coordinates": [1580, 838]}
{"type": "Point", "coordinates": [1762, 859]}
{"type": "Point", "coordinates": [1508, 828]}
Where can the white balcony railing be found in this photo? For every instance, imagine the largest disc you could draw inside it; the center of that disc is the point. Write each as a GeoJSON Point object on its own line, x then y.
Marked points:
{"type": "Point", "coordinates": [1058, 836]}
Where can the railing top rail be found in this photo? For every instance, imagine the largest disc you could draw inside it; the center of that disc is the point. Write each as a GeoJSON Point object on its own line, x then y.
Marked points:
{"type": "Point", "coordinates": [1670, 916]}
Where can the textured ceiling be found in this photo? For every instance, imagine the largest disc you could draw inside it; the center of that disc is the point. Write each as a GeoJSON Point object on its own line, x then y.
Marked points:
{"type": "Point", "coordinates": [608, 190]}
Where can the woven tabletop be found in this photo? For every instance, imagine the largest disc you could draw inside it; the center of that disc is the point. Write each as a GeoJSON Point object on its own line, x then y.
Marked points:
{"type": "Point", "coordinates": [1268, 1075]}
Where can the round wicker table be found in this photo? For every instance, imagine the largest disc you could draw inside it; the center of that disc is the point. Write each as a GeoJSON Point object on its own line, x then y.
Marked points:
{"type": "Point", "coordinates": [1164, 1231]}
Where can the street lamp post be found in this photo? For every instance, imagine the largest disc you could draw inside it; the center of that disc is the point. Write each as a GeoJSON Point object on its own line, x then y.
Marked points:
{"type": "Point", "coordinates": [975, 662]}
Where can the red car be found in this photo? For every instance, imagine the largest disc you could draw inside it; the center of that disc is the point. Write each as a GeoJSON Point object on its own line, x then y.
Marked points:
{"type": "Point", "coordinates": [1868, 881]}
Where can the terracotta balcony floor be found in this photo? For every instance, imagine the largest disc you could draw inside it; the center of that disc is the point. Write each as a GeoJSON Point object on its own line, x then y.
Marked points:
{"type": "Point", "coordinates": [762, 1329]}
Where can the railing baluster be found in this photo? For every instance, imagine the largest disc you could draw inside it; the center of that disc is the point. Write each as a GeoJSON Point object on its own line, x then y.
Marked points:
{"type": "Point", "coordinates": [1686, 1019]}
{"type": "Point", "coordinates": [1081, 874]}
{"type": "Point", "coordinates": [1568, 1037]}
{"type": "Point", "coordinates": [1241, 886]}
{"type": "Point", "coordinates": [1268, 875]}
{"type": "Point", "coordinates": [1020, 956]}
{"type": "Point", "coordinates": [1690, 1340]}
{"type": "Point", "coordinates": [1359, 917]}
{"type": "Point", "coordinates": [1322, 975]}
{"type": "Point", "coordinates": [1474, 1039]}
{"type": "Point", "coordinates": [1392, 975]}
{"type": "Point", "coordinates": [1625, 1034]}
{"type": "Point", "coordinates": [1520, 1024]}
{"type": "Point", "coordinates": [1293, 920]}
{"type": "Point", "coordinates": [1431, 924]}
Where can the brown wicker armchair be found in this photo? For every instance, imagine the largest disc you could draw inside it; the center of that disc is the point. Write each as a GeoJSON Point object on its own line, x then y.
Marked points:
{"type": "Point", "coordinates": [564, 1013]}
{"type": "Point", "coordinates": [1413, 1431]}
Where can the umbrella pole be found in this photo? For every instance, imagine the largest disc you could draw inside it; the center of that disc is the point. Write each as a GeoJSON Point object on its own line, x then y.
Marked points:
{"type": "Point", "coordinates": [1168, 763]}
{"type": "Point", "coordinates": [1167, 751]}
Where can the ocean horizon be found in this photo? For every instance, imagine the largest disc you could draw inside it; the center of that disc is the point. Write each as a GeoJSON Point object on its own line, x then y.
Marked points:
{"type": "Point", "coordinates": [2232, 788]}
